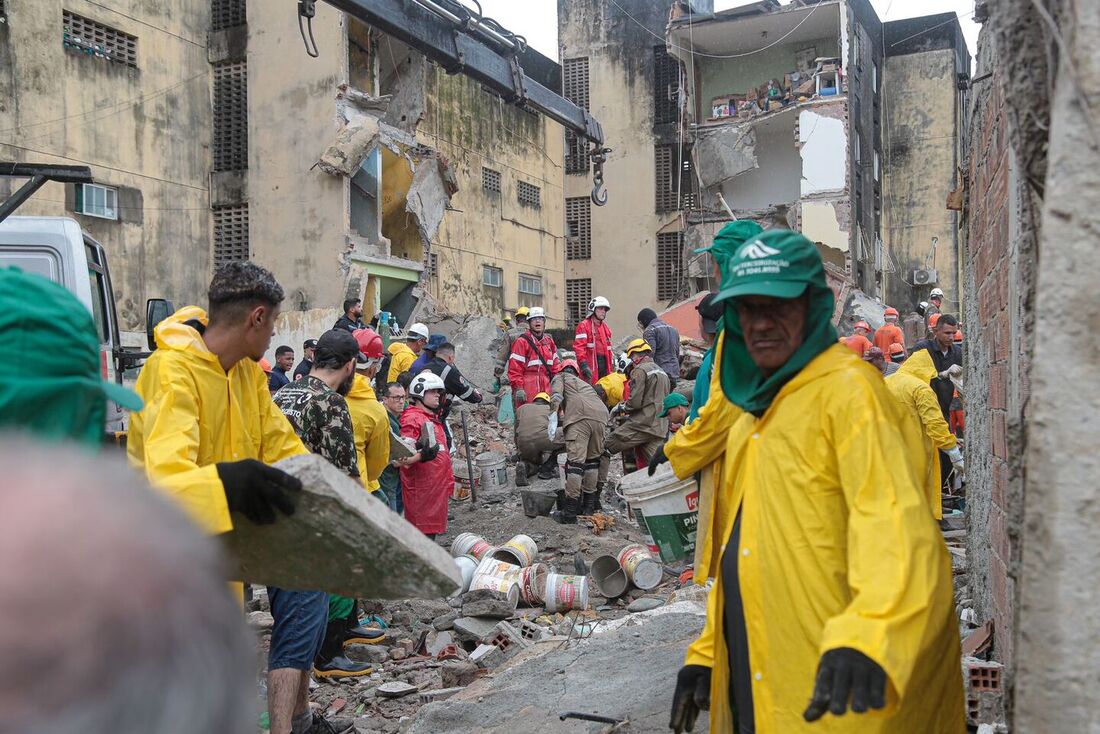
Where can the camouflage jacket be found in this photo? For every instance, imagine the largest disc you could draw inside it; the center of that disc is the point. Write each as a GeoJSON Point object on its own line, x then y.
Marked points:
{"type": "Point", "coordinates": [321, 419]}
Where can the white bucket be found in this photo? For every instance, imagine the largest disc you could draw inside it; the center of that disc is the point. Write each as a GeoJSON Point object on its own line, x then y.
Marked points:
{"type": "Point", "coordinates": [466, 566]}
{"type": "Point", "coordinates": [532, 583]}
{"type": "Point", "coordinates": [506, 586]}
{"type": "Point", "coordinates": [494, 471]}
{"type": "Point", "coordinates": [640, 566]}
{"type": "Point", "coordinates": [565, 592]}
{"type": "Point", "coordinates": [468, 544]}
{"type": "Point", "coordinates": [462, 488]}
{"type": "Point", "coordinates": [521, 549]}
{"type": "Point", "coordinates": [666, 508]}
{"type": "Point", "coordinates": [502, 569]}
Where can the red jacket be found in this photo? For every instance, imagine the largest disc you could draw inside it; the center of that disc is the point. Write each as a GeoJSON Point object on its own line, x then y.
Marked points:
{"type": "Point", "coordinates": [592, 340]}
{"type": "Point", "coordinates": [530, 365]}
{"type": "Point", "coordinates": [426, 487]}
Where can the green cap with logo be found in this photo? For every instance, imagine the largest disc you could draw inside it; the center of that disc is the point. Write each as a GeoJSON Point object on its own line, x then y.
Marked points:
{"type": "Point", "coordinates": [778, 263]}
{"type": "Point", "coordinates": [56, 390]}
{"type": "Point", "coordinates": [672, 400]}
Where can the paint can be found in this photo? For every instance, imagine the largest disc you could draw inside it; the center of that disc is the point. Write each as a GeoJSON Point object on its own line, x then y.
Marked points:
{"type": "Point", "coordinates": [467, 565]}
{"type": "Point", "coordinates": [532, 583]}
{"type": "Point", "coordinates": [461, 491]}
{"type": "Point", "coordinates": [565, 592]}
{"type": "Point", "coordinates": [494, 471]}
{"type": "Point", "coordinates": [468, 544]}
{"type": "Point", "coordinates": [608, 577]}
{"type": "Point", "coordinates": [506, 586]}
{"type": "Point", "coordinates": [666, 509]}
{"type": "Point", "coordinates": [520, 550]}
{"type": "Point", "coordinates": [502, 569]}
{"type": "Point", "coordinates": [641, 568]}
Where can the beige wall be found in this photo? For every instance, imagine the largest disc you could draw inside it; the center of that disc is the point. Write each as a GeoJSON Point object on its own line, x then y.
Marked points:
{"type": "Point", "coordinates": [919, 142]}
{"type": "Point", "coordinates": [144, 130]}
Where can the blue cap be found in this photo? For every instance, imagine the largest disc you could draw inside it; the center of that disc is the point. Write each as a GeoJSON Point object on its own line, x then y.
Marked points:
{"type": "Point", "coordinates": [435, 341]}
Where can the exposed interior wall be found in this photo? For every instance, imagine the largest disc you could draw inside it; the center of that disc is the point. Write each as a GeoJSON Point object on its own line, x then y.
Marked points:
{"type": "Point", "coordinates": [920, 170]}
{"type": "Point", "coordinates": [778, 178]}
{"type": "Point", "coordinates": [624, 232]}
{"type": "Point", "coordinates": [62, 106]}
{"type": "Point", "coordinates": [826, 206]}
{"type": "Point", "coordinates": [298, 215]}
{"type": "Point", "coordinates": [736, 76]}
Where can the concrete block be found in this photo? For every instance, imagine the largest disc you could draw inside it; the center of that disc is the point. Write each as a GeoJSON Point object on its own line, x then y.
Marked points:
{"type": "Point", "coordinates": [438, 641]}
{"type": "Point", "coordinates": [723, 152]}
{"type": "Point", "coordinates": [533, 632]}
{"type": "Point", "coordinates": [445, 621]}
{"type": "Point", "coordinates": [340, 540]}
{"type": "Point", "coordinates": [494, 604]}
{"type": "Point", "coordinates": [507, 638]}
{"type": "Point", "coordinates": [487, 656]}
{"type": "Point", "coordinates": [458, 674]}
{"type": "Point", "coordinates": [440, 694]}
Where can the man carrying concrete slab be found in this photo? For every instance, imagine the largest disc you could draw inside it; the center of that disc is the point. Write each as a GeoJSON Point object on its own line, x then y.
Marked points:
{"type": "Point", "coordinates": [207, 434]}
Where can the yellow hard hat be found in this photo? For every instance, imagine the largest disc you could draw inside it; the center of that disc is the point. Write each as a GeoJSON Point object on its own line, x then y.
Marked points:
{"type": "Point", "coordinates": [638, 345]}
{"type": "Point", "coordinates": [521, 311]}
{"type": "Point", "coordinates": [542, 396]}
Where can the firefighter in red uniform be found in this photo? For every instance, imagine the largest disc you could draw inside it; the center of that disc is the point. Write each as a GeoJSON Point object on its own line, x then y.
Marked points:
{"type": "Point", "coordinates": [531, 364]}
{"type": "Point", "coordinates": [592, 342]}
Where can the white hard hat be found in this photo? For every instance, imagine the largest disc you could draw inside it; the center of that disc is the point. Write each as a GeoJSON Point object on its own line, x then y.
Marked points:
{"type": "Point", "coordinates": [417, 331]}
{"type": "Point", "coordinates": [424, 382]}
{"type": "Point", "coordinates": [536, 312]}
{"type": "Point", "coordinates": [622, 362]}
{"type": "Point", "coordinates": [936, 292]}
{"type": "Point", "coordinates": [598, 302]}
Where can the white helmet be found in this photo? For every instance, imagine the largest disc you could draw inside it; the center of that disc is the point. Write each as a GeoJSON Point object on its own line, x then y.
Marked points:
{"type": "Point", "coordinates": [622, 362]}
{"type": "Point", "coordinates": [416, 331]}
{"type": "Point", "coordinates": [535, 312]}
{"type": "Point", "coordinates": [936, 293]}
{"type": "Point", "coordinates": [598, 302]}
{"type": "Point", "coordinates": [424, 382]}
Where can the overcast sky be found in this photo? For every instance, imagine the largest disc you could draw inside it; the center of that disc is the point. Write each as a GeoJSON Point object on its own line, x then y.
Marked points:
{"type": "Point", "coordinates": [538, 20]}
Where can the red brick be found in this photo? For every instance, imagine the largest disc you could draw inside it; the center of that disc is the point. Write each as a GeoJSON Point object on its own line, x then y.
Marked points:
{"type": "Point", "coordinates": [1000, 482]}
{"type": "Point", "coordinates": [1002, 285]}
{"type": "Point", "coordinates": [997, 391]}
{"type": "Point", "coordinates": [1000, 353]}
{"type": "Point", "coordinates": [997, 588]}
{"type": "Point", "coordinates": [1000, 444]}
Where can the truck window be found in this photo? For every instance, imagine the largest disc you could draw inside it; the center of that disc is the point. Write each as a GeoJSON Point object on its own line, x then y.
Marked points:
{"type": "Point", "coordinates": [98, 287]}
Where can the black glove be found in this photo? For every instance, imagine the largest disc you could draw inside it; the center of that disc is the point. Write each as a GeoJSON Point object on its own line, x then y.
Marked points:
{"type": "Point", "coordinates": [692, 696]}
{"type": "Point", "coordinates": [586, 371]}
{"type": "Point", "coordinates": [658, 459]}
{"type": "Point", "coordinates": [845, 671]}
{"type": "Point", "coordinates": [427, 451]}
{"type": "Point", "coordinates": [256, 490]}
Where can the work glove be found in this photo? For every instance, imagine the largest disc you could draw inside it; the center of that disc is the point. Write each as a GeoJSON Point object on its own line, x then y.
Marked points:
{"type": "Point", "coordinates": [692, 696]}
{"type": "Point", "coordinates": [256, 490]}
{"type": "Point", "coordinates": [586, 371]}
{"type": "Point", "coordinates": [658, 459]}
{"type": "Point", "coordinates": [843, 672]}
{"type": "Point", "coordinates": [521, 396]}
{"type": "Point", "coordinates": [428, 451]}
{"type": "Point", "coordinates": [953, 372]}
{"type": "Point", "coordinates": [956, 456]}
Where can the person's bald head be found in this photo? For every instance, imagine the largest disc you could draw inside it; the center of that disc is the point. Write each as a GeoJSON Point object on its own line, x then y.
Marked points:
{"type": "Point", "coordinates": [114, 611]}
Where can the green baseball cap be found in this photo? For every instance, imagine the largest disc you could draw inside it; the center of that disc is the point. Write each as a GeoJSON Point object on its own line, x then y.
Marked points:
{"type": "Point", "coordinates": [671, 401]}
{"type": "Point", "coordinates": [59, 391]}
{"type": "Point", "coordinates": [778, 263]}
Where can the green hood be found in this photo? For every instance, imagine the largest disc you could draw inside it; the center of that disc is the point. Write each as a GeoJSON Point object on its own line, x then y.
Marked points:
{"type": "Point", "coordinates": [774, 263]}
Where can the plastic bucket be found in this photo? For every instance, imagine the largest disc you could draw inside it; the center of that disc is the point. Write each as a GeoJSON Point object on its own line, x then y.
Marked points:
{"type": "Point", "coordinates": [466, 566]}
{"type": "Point", "coordinates": [468, 544]}
{"type": "Point", "coordinates": [520, 549]}
{"type": "Point", "coordinates": [537, 502]}
{"type": "Point", "coordinates": [565, 592]}
{"type": "Point", "coordinates": [494, 471]}
{"type": "Point", "coordinates": [667, 510]}
{"type": "Point", "coordinates": [608, 577]}
{"type": "Point", "coordinates": [461, 489]}
{"type": "Point", "coordinates": [532, 583]}
{"type": "Point", "coordinates": [640, 566]}
{"type": "Point", "coordinates": [502, 569]}
{"type": "Point", "coordinates": [506, 586]}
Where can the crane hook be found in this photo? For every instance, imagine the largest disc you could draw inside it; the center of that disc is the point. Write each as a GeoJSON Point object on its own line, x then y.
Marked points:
{"type": "Point", "coordinates": [598, 156]}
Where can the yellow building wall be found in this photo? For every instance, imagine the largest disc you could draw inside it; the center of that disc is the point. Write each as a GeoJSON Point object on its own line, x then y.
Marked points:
{"type": "Point", "coordinates": [146, 131]}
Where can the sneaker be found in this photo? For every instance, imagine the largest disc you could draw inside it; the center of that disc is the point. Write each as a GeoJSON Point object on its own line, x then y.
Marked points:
{"type": "Point", "coordinates": [341, 667]}
{"type": "Point", "coordinates": [363, 636]}
{"type": "Point", "coordinates": [321, 725]}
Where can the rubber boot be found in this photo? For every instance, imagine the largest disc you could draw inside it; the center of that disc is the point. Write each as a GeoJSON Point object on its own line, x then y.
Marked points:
{"type": "Point", "coordinates": [521, 474]}
{"type": "Point", "coordinates": [559, 505]}
{"type": "Point", "coordinates": [330, 661]}
{"type": "Point", "coordinates": [588, 503]}
{"type": "Point", "coordinates": [569, 508]}
{"type": "Point", "coordinates": [549, 468]}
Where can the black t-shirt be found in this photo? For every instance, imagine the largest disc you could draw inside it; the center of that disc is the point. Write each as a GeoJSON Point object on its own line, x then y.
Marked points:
{"type": "Point", "coordinates": [737, 639]}
{"type": "Point", "coordinates": [303, 368]}
{"type": "Point", "coordinates": [944, 389]}
{"type": "Point", "coordinates": [346, 324]}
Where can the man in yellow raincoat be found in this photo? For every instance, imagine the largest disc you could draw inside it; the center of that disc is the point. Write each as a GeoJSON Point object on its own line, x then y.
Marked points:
{"type": "Point", "coordinates": [833, 586]}
{"type": "Point", "coordinates": [206, 437]}
{"type": "Point", "coordinates": [910, 385]}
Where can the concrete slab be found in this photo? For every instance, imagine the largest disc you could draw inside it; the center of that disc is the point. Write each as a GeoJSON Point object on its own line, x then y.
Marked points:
{"type": "Point", "coordinates": [340, 540]}
{"type": "Point", "coordinates": [630, 672]}
{"type": "Point", "coordinates": [720, 153]}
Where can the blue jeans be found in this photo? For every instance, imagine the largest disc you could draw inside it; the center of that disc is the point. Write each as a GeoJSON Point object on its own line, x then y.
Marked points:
{"type": "Point", "coordinates": [300, 620]}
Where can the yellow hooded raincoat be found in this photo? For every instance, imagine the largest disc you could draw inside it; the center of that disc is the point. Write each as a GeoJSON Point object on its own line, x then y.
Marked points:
{"type": "Point", "coordinates": [401, 359]}
{"type": "Point", "coordinates": [372, 431]}
{"type": "Point", "coordinates": [910, 385]}
{"type": "Point", "coordinates": [837, 550]}
{"type": "Point", "coordinates": [197, 415]}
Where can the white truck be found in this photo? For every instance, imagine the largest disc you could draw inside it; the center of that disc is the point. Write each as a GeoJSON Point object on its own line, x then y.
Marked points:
{"type": "Point", "coordinates": [58, 249]}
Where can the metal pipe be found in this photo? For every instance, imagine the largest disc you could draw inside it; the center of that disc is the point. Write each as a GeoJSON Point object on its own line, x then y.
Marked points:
{"type": "Point", "coordinates": [460, 24]}
{"type": "Point", "coordinates": [469, 462]}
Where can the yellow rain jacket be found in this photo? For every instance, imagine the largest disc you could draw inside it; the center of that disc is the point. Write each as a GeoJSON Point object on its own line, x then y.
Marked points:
{"type": "Point", "coordinates": [837, 550]}
{"type": "Point", "coordinates": [699, 447]}
{"type": "Point", "coordinates": [614, 385]}
{"type": "Point", "coordinates": [910, 385]}
{"type": "Point", "coordinates": [372, 431]}
{"type": "Point", "coordinates": [197, 415]}
{"type": "Point", "coordinates": [401, 359]}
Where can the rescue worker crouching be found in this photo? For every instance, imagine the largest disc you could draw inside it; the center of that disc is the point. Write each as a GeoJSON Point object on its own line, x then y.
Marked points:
{"type": "Point", "coordinates": [584, 418]}
{"type": "Point", "coordinates": [643, 430]}
{"type": "Point", "coordinates": [537, 450]}
{"type": "Point", "coordinates": [614, 388]}
{"type": "Point", "coordinates": [833, 585]}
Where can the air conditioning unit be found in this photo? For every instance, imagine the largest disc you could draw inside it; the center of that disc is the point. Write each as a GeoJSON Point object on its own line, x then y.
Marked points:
{"type": "Point", "coordinates": [925, 276]}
